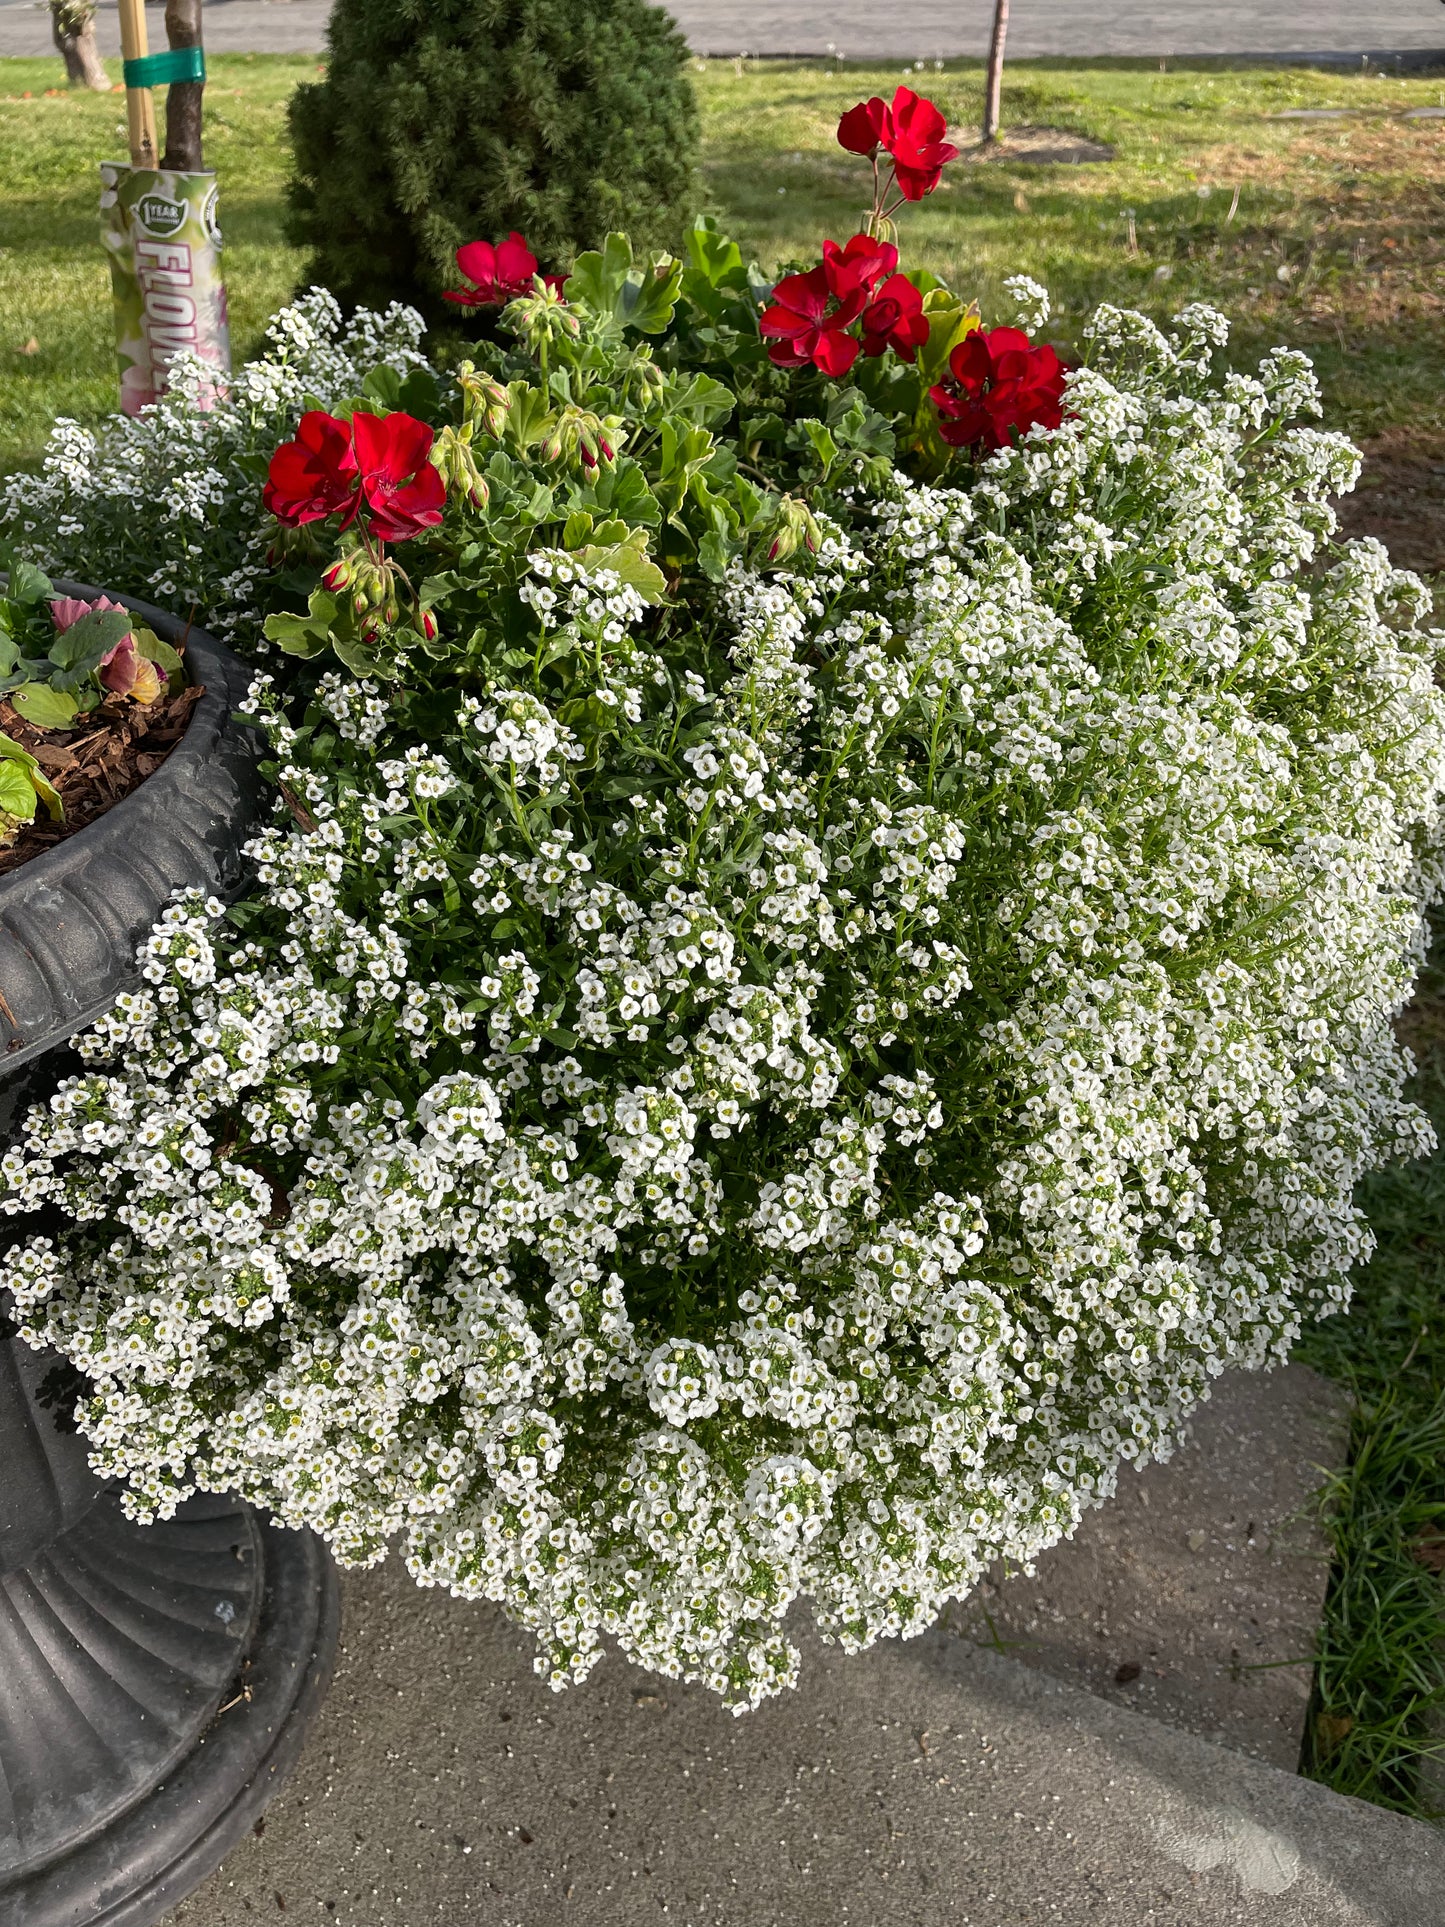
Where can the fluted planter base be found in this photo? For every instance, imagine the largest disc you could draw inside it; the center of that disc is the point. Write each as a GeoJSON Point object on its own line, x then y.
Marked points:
{"type": "Point", "coordinates": [156, 1683]}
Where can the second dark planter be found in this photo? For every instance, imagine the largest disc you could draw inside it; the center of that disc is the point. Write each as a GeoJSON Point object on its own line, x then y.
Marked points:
{"type": "Point", "coordinates": [156, 1682]}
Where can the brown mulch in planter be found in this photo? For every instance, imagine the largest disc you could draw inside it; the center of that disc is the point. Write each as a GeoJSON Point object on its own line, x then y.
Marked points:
{"type": "Point", "coordinates": [109, 752]}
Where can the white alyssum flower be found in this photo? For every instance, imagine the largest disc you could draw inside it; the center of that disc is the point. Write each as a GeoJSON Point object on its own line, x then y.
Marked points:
{"type": "Point", "coordinates": [792, 1130]}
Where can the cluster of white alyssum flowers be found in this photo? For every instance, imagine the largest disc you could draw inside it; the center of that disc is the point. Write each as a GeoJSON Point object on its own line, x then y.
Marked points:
{"type": "Point", "coordinates": [788, 1121]}
{"type": "Point", "coordinates": [168, 504]}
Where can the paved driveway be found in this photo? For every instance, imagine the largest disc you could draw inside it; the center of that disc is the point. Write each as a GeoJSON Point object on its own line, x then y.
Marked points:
{"type": "Point", "coordinates": [922, 29]}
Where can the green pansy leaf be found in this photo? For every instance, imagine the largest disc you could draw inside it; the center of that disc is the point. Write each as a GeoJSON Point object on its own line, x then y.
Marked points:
{"type": "Point", "coordinates": [85, 644]}
{"type": "Point", "coordinates": [44, 706]}
{"type": "Point", "coordinates": [19, 772]}
{"type": "Point", "coordinates": [18, 796]}
{"type": "Point", "coordinates": [151, 648]}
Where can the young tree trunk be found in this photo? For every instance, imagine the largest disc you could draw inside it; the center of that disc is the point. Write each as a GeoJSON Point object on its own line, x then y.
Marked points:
{"type": "Point", "coordinates": [993, 84]}
{"type": "Point", "coordinates": [183, 97]}
{"type": "Point", "coordinates": [74, 29]}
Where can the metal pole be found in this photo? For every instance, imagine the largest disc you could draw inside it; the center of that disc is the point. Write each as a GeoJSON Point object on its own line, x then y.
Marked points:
{"type": "Point", "coordinates": [140, 109]}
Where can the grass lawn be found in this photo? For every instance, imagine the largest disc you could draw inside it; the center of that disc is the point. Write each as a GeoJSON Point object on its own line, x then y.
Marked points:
{"type": "Point", "coordinates": [1335, 238]}
{"type": "Point", "coordinates": [1326, 232]}
{"type": "Point", "coordinates": [54, 281]}
{"type": "Point", "coordinates": [1377, 1724]}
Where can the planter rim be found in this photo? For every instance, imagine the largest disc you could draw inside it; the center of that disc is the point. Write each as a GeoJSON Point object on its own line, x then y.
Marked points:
{"type": "Point", "coordinates": [71, 919]}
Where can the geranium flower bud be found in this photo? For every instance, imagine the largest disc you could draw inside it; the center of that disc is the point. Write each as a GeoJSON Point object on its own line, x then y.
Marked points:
{"type": "Point", "coordinates": [793, 525]}
{"type": "Point", "coordinates": [454, 461]}
{"type": "Point", "coordinates": [486, 403]}
{"type": "Point", "coordinates": [338, 576]}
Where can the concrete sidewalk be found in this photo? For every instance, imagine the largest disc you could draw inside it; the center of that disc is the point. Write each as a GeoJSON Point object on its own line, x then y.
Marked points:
{"type": "Point", "coordinates": [924, 29]}
{"type": "Point", "coordinates": [933, 1784]}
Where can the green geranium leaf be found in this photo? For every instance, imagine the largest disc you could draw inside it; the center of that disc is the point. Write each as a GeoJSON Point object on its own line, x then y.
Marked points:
{"type": "Point", "coordinates": [360, 657]}
{"type": "Point", "coordinates": [713, 256]}
{"type": "Point", "coordinates": [618, 294]}
{"type": "Point", "coordinates": [384, 385]}
{"type": "Point", "coordinates": [703, 400]}
{"type": "Point", "coordinates": [949, 320]}
{"type": "Point", "coordinates": [630, 562]}
{"type": "Point", "coordinates": [297, 635]}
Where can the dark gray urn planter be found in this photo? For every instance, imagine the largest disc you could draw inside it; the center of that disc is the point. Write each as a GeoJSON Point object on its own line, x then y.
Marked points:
{"type": "Point", "coordinates": [156, 1682]}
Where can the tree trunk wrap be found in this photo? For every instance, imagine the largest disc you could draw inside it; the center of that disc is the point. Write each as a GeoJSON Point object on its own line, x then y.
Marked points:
{"type": "Point", "coordinates": [159, 229]}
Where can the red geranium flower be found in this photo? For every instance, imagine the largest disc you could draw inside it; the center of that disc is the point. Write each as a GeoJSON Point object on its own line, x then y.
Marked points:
{"type": "Point", "coordinates": [811, 315]}
{"type": "Point", "coordinates": [999, 382]}
{"type": "Point", "coordinates": [920, 153]}
{"type": "Point", "coordinates": [911, 129]}
{"type": "Point", "coordinates": [315, 475]}
{"type": "Point", "coordinates": [498, 272]}
{"type": "Point", "coordinates": [866, 127]}
{"type": "Point", "coordinates": [894, 318]}
{"type": "Point", "coordinates": [403, 491]}
{"type": "Point", "coordinates": [867, 261]}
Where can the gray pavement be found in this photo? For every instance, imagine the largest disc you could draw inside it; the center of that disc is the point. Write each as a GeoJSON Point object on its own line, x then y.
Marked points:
{"type": "Point", "coordinates": [922, 29]}
{"type": "Point", "coordinates": [929, 1784]}
{"type": "Point", "coordinates": [1196, 1594]}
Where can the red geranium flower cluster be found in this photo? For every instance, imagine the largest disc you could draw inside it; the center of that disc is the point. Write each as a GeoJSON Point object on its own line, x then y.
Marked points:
{"type": "Point", "coordinates": [999, 382]}
{"type": "Point", "coordinates": [910, 130]}
{"type": "Point", "coordinates": [380, 463]}
{"type": "Point", "coordinates": [812, 314]}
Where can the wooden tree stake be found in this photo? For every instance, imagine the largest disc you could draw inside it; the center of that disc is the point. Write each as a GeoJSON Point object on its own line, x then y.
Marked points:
{"type": "Point", "coordinates": [140, 109]}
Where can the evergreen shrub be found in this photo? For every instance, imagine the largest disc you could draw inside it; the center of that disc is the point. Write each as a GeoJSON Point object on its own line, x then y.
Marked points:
{"type": "Point", "coordinates": [438, 120]}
